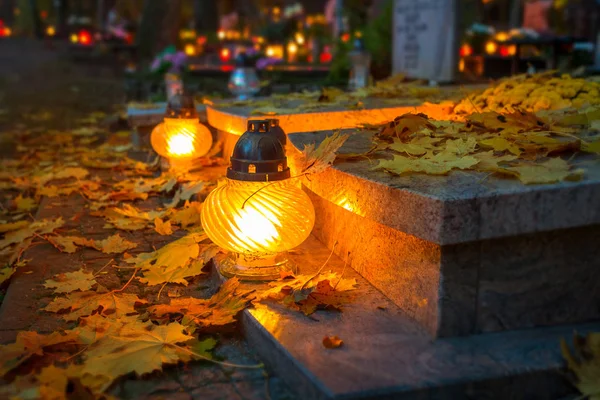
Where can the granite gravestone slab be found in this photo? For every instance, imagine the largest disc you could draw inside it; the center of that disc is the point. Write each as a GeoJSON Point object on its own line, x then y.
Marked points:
{"type": "Point", "coordinates": [425, 39]}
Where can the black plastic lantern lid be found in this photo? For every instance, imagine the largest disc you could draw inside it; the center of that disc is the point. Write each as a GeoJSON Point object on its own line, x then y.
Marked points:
{"type": "Point", "coordinates": [242, 60]}
{"type": "Point", "coordinates": [258, 155]}
{"type": "Point", "coordinates": [181, 106]}
{"type": "Point", "coordinates": [277, 130]}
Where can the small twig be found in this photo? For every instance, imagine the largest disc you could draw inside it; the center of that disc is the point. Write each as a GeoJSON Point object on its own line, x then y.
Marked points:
{"type": "Point", "coordinates": [223, 363]}
{"type": "Point", "coordinates": [106, 265]}
{"type": "Point", "coordinates": [343, 270]}
{"type": "Point", "coordinates": [75, 355]}
{"type": "Point", "coordinates": [322, 266]}
{"type": "Point", "coordinates": [160, 291]}
{"type": "Point", "coordinates": [128, 282]}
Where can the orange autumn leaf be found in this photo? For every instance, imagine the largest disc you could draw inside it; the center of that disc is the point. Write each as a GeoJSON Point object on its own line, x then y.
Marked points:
{"type": "Point", "coordinates": [332, 342]}
{"type": "Point", "coordinates": [163, 228]}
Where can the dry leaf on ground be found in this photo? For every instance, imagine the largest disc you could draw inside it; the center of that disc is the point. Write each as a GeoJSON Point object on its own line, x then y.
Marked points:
{"type": "Point", "coordinates": [71, 281]}
{"type": "Point", "coordinates": [332, 342]}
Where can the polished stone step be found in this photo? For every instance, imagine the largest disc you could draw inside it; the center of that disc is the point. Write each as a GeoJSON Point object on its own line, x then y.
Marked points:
{"type": "Point", "coordinates": [386, 355]}
{"type": "Point", "coordinates": [464, 253]}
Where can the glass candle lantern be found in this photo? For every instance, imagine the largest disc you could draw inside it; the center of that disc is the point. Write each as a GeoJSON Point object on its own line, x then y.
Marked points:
{"type": "Point", "coordinates": [258, 213]}
{"type": "Point", "coordinates": [243, 82]}
{"type": "Point", "coordinates": [360, 60]}
{"type": "Point", "coordinates": [181, 138]}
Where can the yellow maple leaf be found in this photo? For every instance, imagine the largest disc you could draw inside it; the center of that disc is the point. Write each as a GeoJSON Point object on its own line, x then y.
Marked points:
{"type": "Point", "coordinates": [93, 327]}
{"type": "Point", "coordinates": [66, 244]}
{"type": "Point", "coordinates": [28, 344]}
{"type": "Point", "coordinates": [6, 273]}
{"type": "Point", "coordinates": [418, 146]}
{"type": "Point", "coordinates": [163, 228]}
{"type": "Point", "coordinates": [49, 384]}
{"type": "Point", "coordinates": [185, 192]}
{"type": "Point", "coordinates": [139, 348]}
{"type": "Point", "coordinates": [24, 204]}
{"type": "Point", "coordinates": [71, 281]}
{"type": "Point", "coordinates": [172, 255]}
{"type": "Point", "coordinates": [221, 309]}
{"type": "Point", "coordinates": [461, 146]}
{"type": "Point", "coordinates": [309, 293]}
{"type": "Point", "coordinates": [37, 227]}
{"type": "Point", "coordinates": [593, 147]}
{"type": "Point", "coordinates": [488, 161]}
{"type": "Point", "coordinates": [314, 160]}
{"type": "Point", "coordinates": [585, 363]}
{"type": "Point", "coordinates": [132, 212]}
{"type": "Point", "coordinates": [80, 304]}
{"type": "Point", "coordinates": [501, 144]}
{"type": "Point", "coordinates": [12, 226]}
{"type": "Point", "coordinates": [110, 245]}
{"type": "Point", "coordinates": [177, 269]}
{"type": "Point", "coordinates": [551, 171]}
{"type": "Point", "coordinates": [405, 125]}
{"type": "Point", "coordinates": [440, 164]}
{"type": "Point", "coordinates": [188, 215]}
{"type": "Point", "coordinates": [114, 244]}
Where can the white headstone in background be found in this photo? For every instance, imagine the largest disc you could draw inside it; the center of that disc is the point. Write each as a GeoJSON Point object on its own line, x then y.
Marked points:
{"type": "Point", "coordinates": [424, 43]}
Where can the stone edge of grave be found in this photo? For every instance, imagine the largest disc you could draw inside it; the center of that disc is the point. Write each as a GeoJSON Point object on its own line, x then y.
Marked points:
{"type": "Point", "coordinates": [152, 116]}
{"type": "Point", "coordinates": [386, 354]}
{"type": "Point", "coordinates": [234, 119]}
{"type": "Point", "coordinates": [460, 207]}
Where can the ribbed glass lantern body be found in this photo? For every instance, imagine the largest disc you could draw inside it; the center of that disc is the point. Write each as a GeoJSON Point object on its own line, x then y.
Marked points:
{"type": "Point", "coordinates": [181, 139]}
{"type": "Point", "coordinates": [277, 218]}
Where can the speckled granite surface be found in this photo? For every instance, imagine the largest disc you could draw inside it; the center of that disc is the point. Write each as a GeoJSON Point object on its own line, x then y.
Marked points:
{"type": "Point", "coordinates": [234, 119]}
{"type": "Point", "coordinates": [461, 207]}
{"type": "Point", "coordinates": [461, 254]}
{"type": "Point", "coordinates": [386, 355]}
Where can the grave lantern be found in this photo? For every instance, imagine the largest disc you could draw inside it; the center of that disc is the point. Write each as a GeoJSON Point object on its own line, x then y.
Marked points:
{"type": "Point", "coordinates": [258, 213]}
{"type": "Point", "coordinates": [360, 60]}
{"type": "Point", "coordinates": [277, 131]}
{"type": "Point", "coordinates": [181, 137]}
{"type": "Point", "coordinates": [243, 82]}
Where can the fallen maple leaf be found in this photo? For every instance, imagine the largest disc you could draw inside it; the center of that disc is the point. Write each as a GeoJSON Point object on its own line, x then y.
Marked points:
{"type": "Point", "coordinates": [332, 342]}
{"type": "Point", "coordinates": [309, 293]}
{"type": "Point", "coordinates": [188, 215]}
{"type": "Point", "coordinates": [584, 362]}
{"type": "Point", "coordinates": [37, 227]}
{"type": "Point", "coordinates": [49, 384]}
{"type": "Point", "coordinates": [29, 344]}
{"type": "Point", "coordinates": [550, 171]}
{"type": "Point", "coordinates": [110, 245]}
{"type": "Point", "coordinates": [24, 204]}
{"type": "Point", "coordinates": [13, 226]}
{"type": "Point", "coordinates": [163, 228]}
{"type": "Point", "coordinates": [405, 125]}
{"type": "Point", "coordinates": [114, 244]}
{"type": "Point", "coordinates": [71, 281]}
{"type": "Point", "coordinates": [138, 347]}
{"type": "Point", "coordinates": [174, 261]}
{"type": "Point", "coordinates": [80, 304]}
{"type": "Point", "coordinates": [439, 164]}
{"type": "Point", "coordinates": [221, 309]}
{"type": "Point", "coordinates": [185, 192]}
{"type": "Point", "coordinates": [314, 160]}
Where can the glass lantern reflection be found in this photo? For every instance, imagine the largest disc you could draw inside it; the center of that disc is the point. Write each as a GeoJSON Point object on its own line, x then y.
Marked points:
{"type": "Point", "coordinates": [360, 60]}
{"type": "Point", "coordinates": [258, 213]}
{"type": "Point", "coordinates": [243, 82]}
